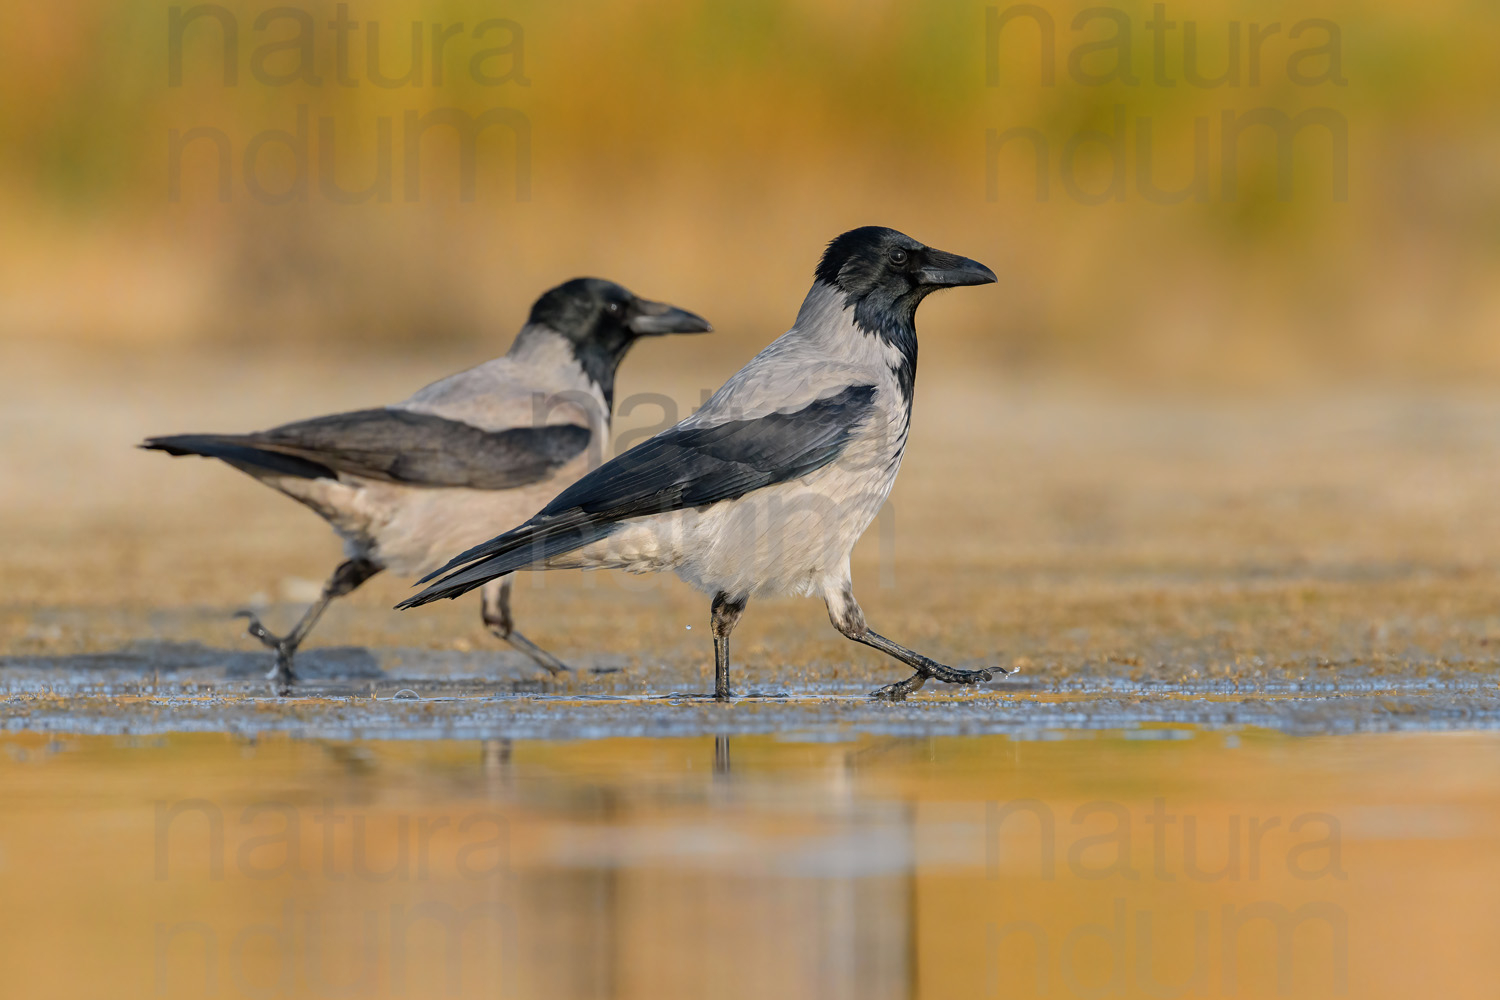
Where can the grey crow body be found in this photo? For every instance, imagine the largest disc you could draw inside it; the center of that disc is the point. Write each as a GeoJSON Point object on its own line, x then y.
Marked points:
{"type": "Point", "coordinates": [466, 457]}
{"type": "Point", "coordinates": [766, 488]}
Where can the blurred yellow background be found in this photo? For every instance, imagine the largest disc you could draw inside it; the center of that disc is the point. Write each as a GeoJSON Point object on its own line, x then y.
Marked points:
{"type": "Point", "coordinates": [1247, 434]}
{"type": "Point", "coordinates": [704, 152]}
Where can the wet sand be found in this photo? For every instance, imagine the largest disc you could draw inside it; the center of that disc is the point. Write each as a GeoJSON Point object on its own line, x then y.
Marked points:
{"type": "Point", "coordinates": [354, 693]}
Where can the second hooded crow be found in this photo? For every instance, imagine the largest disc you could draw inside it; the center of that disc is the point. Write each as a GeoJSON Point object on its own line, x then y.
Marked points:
{"type": "Point", "coordinates": [406, 485]}
{"type": "Point", "coordinates": [766, 488]}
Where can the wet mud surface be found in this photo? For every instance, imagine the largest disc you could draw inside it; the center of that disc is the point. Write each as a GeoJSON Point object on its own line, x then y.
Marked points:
{"type": "Point", "coordinates": [352, 692]}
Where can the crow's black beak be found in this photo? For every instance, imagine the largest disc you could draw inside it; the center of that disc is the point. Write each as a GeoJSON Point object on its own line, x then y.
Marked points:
{"type": "Point", "coordinates": [948, 270]}
{"type": "Point", "coordinates": [647, 317]}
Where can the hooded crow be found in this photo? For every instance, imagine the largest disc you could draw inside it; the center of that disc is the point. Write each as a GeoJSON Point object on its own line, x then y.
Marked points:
{"type": "Point", "coordinates": [766, 488]}
{"type": "Point", "coordinates": [406, 485]}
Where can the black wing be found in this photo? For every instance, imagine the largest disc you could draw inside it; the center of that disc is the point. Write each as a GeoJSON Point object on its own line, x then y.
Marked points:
{"type": "Point", "coordinates": [395, 446]}
{"type": "Point", "coordinates": [677, 469]}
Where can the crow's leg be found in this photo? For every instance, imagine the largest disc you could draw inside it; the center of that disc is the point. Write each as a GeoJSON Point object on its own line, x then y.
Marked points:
{"type": "Point", "coordinates": [494, 603]}
{"type": "Point", "coordinates": [350, 574]}
{"type": "Point", "coordinates": [726, 614]}
{"type": "Point", "coordinates": [845, 613]}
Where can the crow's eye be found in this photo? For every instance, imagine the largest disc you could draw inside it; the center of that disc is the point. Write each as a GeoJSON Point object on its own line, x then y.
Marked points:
{"type": "Point", "coordinates": [898, 257]}
{"type": "Point", "coordinates": [613, 308]}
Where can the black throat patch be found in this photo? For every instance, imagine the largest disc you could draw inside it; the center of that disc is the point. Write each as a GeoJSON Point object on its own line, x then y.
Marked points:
{"type": "Point", "coordinates": [895, 324]}
{"type": "Point", "coordinates": [599, 362]}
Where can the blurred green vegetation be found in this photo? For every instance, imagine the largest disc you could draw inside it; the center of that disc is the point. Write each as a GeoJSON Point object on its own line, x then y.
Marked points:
{"type": "Point", "coordinates": [704, 152]}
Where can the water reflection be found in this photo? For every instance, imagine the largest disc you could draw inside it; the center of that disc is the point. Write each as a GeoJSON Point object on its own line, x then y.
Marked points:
{"type": "Point", "coordinates": [721, 755]}
{"type": "Point", "coordinates": [1219, 864]}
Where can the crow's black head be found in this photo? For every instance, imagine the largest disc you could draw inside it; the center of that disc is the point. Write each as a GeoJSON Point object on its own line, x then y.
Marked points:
{"type": "Point", "coordinates": [877, 262]}
{"type": "Point", "coordinates": [884, 275]}
{"type": "Point", "coordinates": [601, 320]}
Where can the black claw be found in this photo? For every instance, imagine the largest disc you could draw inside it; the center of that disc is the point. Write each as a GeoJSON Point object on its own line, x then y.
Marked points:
{"type": "Point", "coordinates": [282, 681]}
{"type": "Point", "coordinates": [938, 672]}
{"type": "Point", "coordinates": [281, 676]}
{"type": "Point", "coordinates": [900, 689]}
{"type": "Point", "coordinates": [949, 675]}
{"type": "Point", "coordinates": [538, 655]}
{"type": "Point", "coordinates": [555, 668]}
{"type": "Point", "coordinates": [259, 631]}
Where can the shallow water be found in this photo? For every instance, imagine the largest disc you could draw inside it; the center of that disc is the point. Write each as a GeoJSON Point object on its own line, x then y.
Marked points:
{"type": "Point", "coordinates": [1128, 863]}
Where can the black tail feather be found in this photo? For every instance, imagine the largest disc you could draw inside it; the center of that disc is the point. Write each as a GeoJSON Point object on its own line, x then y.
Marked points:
{"type": "Point", "coordinates": [520, 548]}
{"type": "Point", "coordinates": [240, 453]}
